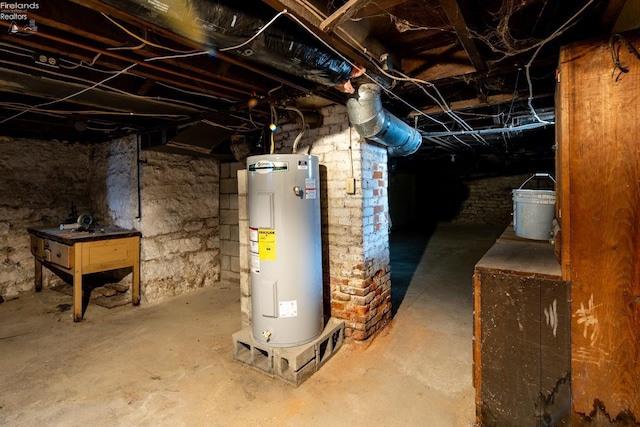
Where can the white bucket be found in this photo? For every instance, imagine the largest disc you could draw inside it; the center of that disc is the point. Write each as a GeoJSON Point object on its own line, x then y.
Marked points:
{"type": "Point", "coordinates": [534, 210]}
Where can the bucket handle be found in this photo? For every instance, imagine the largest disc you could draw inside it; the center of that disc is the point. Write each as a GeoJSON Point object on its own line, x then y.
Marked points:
{"type": "Point", "coordinates": [538, 175]}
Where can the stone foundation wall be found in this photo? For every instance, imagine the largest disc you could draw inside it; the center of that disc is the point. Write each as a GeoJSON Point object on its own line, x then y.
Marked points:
{"type": "Point", "coordinates": [179, 224]}
{"type": "Point", "coordinates": [39, 182]}
{"type": "Point", "coordinates": [176, 208]}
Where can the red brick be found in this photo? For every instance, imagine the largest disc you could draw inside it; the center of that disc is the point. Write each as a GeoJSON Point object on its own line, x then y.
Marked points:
{"type": "Point", "coordinates": [337, 305]}
{"type": "Point", "coordinates": [362, 310]}
{"type": "Point", "coordinates": [359, 335]}
{"type": "Point", "coordinates": [339, 280]}
{"type": "Point", "coordinates": [340, 296]}
{"type": "Point", "coordinates": [362, 319]}
{"type": "Point", "coordinates": [340, 315]}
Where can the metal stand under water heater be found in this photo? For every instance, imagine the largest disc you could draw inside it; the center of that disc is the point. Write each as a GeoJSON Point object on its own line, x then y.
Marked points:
{"type": "Point", "coordinates": [285, 249]}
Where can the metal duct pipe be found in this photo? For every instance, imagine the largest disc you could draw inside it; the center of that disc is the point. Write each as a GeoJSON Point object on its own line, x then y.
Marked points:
{"type": "Point", "coordinates": [373, 122]}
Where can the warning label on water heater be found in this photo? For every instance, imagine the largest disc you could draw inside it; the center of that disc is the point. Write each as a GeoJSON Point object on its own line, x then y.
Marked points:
{"type": "Point", "coordinates": [310, 189]}
{"type": "Point", "coordinates": [253, 250]}
{"type": "Point", "coordinates": [267, 244]}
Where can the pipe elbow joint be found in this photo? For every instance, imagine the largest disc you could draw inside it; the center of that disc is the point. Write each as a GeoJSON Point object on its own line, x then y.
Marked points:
{"type": "Point", "coordinates": [373, 122]}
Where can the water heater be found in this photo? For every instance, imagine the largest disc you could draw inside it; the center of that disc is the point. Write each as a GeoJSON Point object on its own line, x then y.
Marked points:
{"type": "Point", "coordinates": [285, 249]}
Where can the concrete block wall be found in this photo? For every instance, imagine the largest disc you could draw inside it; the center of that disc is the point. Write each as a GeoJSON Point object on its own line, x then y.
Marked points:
{"type": "Point", "coordinates": [355, 226]}
{"type": "Point", "coordinates": [229, 236]}
{"type": "Point", "coordinates": [243, 231]}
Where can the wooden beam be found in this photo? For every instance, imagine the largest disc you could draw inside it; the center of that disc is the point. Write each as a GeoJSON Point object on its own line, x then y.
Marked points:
{"type": "Point", "coordinates": [476, 102]}
{"type": "Point", "coordinates": [611, 14]}
{"type": "Point", "coordinates": [454, 14]}
{"type": "Point", "coordinates": [437, 64]}
{"type": "Point", "coordinates": [345, 12]}
{"type": "Point", "coordinates": [626, 18]}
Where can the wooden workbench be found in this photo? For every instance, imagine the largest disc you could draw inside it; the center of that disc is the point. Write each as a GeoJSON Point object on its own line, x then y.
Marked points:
{"type": "Point", "coordinates": [521, 335]}
{"type": "Point", "coordinates": [83, 252]}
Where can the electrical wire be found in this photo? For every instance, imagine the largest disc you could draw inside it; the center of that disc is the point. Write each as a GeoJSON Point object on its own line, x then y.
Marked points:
{"type": "Point", "coordinates": [124, 70]}
{"type": "Point", "coordinates": [29, 54]}
{"type": "Point", "coordinates": [113, 89]}
{"type": "Point", "coordinates": [53, 113]}
{"type": "Point", "coordinates": [91, 64]}
{"type": "Point", "coordinates": [13, 50]}
{"type": "Point", "coordinates": [615, 54]}
{"type": "Point", "coordinates": [92, 112]}
{"type": "Point", "coordinates": [140, 46]}
{"type": "Point", "coordinates": [441, 103]}
{"type": "Point", "coordinates": [274, 118]}
{"type": "Point", "coordinates": [204, 95]}
{"type": "Point", "coordinates": [541, 44]}
{"type": "Point", "coordinates": [252, 38]}
{"type": "Point", "coordinates": [181, 55]}
{"type": "Point", "coordinates": [241, 128]}
{"type": "Point", "coordinates": [302, 128]}
{"type": "Point", "coordinates": [513, 97]}
{"type": "Point", "coordinates": [137, 37]}
{"type": "Point", "coordinates": [271, 91]}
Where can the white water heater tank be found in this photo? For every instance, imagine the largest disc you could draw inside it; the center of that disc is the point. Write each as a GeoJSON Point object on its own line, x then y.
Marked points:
{"type": "Point", "coordinates": [285, 249]}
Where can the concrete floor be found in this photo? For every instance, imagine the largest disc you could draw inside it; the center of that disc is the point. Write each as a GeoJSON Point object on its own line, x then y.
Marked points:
{"type": "Point", "coordinates": [172, 364]}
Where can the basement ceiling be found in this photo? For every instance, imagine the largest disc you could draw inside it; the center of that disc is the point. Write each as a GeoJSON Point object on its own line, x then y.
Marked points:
{"type": "Point", "coordinates": [470, 75]}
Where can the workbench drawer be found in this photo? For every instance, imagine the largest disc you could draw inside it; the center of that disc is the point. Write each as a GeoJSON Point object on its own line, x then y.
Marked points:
{"type": "Point", "coordinates": [58, 253]}
{"type": "Point", "coordinates": [37, 246]}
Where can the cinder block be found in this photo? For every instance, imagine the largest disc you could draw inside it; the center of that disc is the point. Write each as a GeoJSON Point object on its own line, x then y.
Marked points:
{"type": "Point", "coordinates": [242, 346]}
{"type": "Point", "coordinates": [294, 365]}
{"type": "Point", "coordinates": [329, 341]}
{"type": "Point", "coordinates": [246, 350]}
{"type": "Point", "coordinates": [262, 359]}
{"type": "Point", "coordinates": [295, 378]}
{"type": "Point", "coordinates": [294, 358]}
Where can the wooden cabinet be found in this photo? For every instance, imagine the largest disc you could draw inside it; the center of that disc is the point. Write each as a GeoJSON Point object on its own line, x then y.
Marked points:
{"type": "Point", "coordinates": [598, 204]}
{"type": "Point", "coordinates": [521, 336]}
{"type": "Point", "coordinates": [83, 252]}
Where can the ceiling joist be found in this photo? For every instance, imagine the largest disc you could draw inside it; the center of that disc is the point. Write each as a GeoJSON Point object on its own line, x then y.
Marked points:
{"type": "Point", "coordinates": [345, 12]}
{"type": "Point", "coordinates": [454, 14]}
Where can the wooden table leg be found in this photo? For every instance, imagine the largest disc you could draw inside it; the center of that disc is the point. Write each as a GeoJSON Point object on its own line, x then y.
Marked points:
{"type": "Point", "coordinates": [135, 282]}
{"type": "Point", "coordinates": [135, 285]}
{"type": "Point", "coordinates": [77, 283]}
{"type": "Point", "coordinates": [38, 274]}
